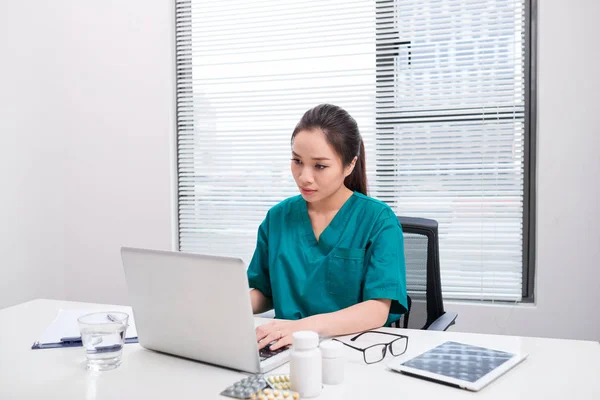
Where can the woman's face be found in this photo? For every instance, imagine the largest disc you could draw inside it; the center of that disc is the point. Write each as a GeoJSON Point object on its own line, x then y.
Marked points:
{"type": "Point", "coordinates": [316, 167]}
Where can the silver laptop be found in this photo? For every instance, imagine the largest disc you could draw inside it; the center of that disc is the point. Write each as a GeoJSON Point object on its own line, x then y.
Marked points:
{"type": "Point", "coordinates": [196, 306]}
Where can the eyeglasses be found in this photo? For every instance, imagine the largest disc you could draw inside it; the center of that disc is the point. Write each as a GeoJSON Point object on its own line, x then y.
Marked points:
{"type": "Point", "coordinates": [375, 353]}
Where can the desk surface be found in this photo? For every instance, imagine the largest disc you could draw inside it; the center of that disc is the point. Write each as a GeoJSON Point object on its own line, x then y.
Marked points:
{"type": "Point", "coordinates": [555, 369]}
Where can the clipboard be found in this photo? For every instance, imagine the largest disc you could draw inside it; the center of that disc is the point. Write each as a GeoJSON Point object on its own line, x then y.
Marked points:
{"type": "Point", "coordinates": [63, 332]}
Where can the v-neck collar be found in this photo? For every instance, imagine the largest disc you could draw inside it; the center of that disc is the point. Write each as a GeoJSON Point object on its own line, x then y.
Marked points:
{"type": "Point", "coordinates": [330, 235]}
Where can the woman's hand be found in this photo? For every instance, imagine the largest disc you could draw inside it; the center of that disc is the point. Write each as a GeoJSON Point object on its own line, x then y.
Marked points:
{"type": "Point", "coordinates": [278, 331]}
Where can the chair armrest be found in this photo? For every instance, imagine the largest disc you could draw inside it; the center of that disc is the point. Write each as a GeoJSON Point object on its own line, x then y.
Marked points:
{"type": "Point", "coordinates": [443, 322]}
{"type": "Point", "coordinates": [266, 314]}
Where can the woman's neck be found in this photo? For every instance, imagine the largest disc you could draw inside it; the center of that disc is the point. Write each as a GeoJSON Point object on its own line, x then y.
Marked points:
{"type": "Point", "coordinates": [332, 203]}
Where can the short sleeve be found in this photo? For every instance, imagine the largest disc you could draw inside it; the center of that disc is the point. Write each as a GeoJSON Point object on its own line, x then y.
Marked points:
{"type": "Point", "coordinates": [258, 270]}
{"type": "Point", "coordinates": [385, 276]}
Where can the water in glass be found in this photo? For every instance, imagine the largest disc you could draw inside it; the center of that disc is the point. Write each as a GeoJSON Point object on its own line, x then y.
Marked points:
{"type": "Point", "coordinates": [103, 337]}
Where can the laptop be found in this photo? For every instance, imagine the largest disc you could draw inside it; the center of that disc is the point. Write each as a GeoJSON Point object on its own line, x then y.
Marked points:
{"type": "Point", "coordinates": [196, 306]}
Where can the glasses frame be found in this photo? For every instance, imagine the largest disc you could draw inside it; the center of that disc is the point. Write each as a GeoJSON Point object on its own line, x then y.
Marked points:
{"type": "Point", "coordinates": [386, 345]}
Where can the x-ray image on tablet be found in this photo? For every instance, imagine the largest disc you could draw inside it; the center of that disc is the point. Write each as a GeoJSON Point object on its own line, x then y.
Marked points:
{"type": "Point", "coordinates": [460, 364]}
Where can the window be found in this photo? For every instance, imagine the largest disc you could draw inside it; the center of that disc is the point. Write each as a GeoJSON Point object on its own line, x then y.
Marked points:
{"type": "Point", "coordinates": [440, 89]}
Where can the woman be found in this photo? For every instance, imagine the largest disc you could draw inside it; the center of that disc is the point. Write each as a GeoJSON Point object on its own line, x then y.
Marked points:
{"type": "Point", "coordinates": [330, 260]}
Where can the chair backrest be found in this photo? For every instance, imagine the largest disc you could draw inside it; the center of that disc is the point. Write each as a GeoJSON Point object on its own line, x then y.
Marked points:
{"type": "Point", "coordinates": [423, 281]}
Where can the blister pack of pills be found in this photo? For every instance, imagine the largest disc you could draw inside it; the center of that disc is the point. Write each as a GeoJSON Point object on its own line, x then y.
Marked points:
{"type": "Point", "coordinates": [245, 388]}
{"type": "Point", "coordinates": [275, 394]}
{"type": "Point", "coordinates": [260, 387]}
{"type": "Point", "coordinates": [279, 382]}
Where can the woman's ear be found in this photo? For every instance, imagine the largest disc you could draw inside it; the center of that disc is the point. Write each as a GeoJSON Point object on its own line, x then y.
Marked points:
{"type": "Point", "coordinates": [348, 170]}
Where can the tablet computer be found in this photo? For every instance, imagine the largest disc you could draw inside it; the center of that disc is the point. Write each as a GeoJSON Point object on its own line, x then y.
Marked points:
{"type": "Point", "coordinates": [458, 364]}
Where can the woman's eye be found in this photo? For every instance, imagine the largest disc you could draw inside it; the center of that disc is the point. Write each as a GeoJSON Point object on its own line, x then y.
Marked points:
{"type": "Point", "coordinates": [319, 166]}
{"type": "Point", "coordinates": [296, 161]}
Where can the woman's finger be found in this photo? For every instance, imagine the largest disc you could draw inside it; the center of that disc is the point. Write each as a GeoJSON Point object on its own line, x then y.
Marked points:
{"type": "Point", "coordinates": [271, 337]}
{"type": "Point", "coordinates": [264, 330]}
{"type": "Point", "coordinates": [284, 341]}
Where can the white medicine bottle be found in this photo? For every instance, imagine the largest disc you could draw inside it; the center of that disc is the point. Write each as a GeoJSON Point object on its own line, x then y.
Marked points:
{"type": "Point", "coordinates": [333, 362]}
{"type": "Point", "coordinates": [305, 364]}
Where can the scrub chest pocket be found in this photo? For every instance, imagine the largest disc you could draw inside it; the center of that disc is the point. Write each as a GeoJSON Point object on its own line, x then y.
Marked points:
{"type": "Point", "coordinates": [344, 274]}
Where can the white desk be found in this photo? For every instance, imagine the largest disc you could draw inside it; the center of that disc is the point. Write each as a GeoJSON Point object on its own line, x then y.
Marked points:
{"type": "Point", "coordinates": [144, 374]}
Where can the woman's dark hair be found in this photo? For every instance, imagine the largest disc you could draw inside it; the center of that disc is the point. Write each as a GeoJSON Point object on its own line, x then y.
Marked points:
{"type": "Point", "coordinates": [341, 131]}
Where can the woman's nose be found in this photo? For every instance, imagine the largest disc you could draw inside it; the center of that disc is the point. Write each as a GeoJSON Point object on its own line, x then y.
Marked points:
{"type": "Point", "coordinates": [305, 176]}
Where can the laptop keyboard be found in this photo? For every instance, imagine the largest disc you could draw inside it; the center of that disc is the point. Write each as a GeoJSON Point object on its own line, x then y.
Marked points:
{"type": "Point", "coordinates": [266, 351]}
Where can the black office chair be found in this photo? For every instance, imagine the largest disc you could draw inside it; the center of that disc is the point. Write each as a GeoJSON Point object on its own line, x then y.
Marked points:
{"type": "Point", "coordinates": [424, 285]}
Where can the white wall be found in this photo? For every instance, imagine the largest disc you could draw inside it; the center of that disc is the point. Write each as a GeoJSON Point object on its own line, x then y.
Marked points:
{"type": "Point", "coordinates": [86, 128]}
{"type": "Point", "coordinates": [118, 78]}
{"type": "Point", "coordinates": [119, 145]}
{"type": "Point", "coordinates": [31, 156]}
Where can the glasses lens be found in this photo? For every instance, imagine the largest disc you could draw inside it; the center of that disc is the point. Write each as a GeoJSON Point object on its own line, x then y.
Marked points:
{"type": "Point", "coordinates": [375, 353]}
{"type": "Point", "coordinates": [398, 346]}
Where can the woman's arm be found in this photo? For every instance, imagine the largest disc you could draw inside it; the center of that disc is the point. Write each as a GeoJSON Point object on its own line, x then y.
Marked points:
{"type": "Point", "coordinates": [260, 302]}
{"type": "Point", "coordinates": [370, 314]}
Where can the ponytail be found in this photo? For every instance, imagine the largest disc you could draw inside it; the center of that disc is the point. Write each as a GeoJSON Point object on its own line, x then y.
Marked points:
{"type": "Point", "coordinates": [357, 180]}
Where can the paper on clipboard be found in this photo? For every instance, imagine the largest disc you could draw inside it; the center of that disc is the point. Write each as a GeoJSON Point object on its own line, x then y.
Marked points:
{"type": "Point", "coordinates": [65, 326]}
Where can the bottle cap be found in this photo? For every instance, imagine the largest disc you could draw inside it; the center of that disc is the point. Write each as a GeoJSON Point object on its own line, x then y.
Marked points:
{"type": "Point", "coordinates": [331, 349]}
{"type": "Point", "coordinates": [305, 340]}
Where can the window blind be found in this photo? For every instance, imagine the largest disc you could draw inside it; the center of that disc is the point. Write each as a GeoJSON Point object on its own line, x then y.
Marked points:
{"type": "Point", "coordinates": [437, 88]}
{"type": "Point", "coordinates": [450, 134]}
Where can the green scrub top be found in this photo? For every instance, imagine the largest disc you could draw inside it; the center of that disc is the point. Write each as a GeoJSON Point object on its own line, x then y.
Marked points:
{"type": "Point", "coordinates": [359, 256]}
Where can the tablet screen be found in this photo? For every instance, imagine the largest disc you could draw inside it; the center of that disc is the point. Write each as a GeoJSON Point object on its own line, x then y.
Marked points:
{"type": "Point", "coordinates": [459, 361]}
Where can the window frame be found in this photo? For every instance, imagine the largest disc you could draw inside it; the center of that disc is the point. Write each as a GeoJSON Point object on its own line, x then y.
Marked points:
{"type": "Point", "coordinates": [529, 178]}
